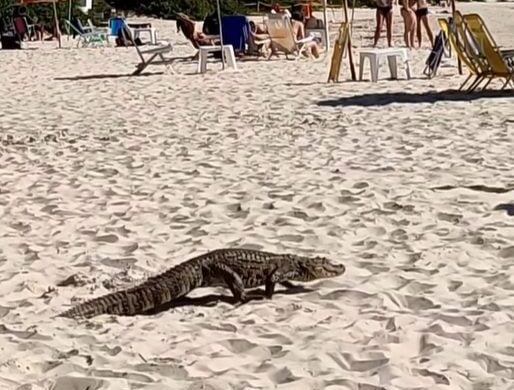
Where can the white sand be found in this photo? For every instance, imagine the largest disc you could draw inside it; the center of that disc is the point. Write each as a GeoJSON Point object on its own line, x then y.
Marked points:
{"type": "Point", "coordinates": [116, 178]}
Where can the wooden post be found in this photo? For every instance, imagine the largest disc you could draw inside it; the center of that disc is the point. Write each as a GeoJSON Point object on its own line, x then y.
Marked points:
{"type": "Point", "coordinates": [459, 63]}
{"type": "Point", "coordinates": [327, 27]}
{"type": "Point", "coordinates": [56, 20]}
{"type": "Point", "coordinates": [350, 55]}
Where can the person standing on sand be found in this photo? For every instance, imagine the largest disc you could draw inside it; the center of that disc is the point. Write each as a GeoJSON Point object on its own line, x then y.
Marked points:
{"type": "Point", "coordinates": [422, 17]}
{"type": "Point", "coordinates": [410, 21]}
{"type": "Point", "coordinates": [384, 12]}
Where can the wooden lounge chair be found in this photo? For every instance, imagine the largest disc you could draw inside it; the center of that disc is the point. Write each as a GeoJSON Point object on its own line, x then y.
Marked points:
{"type": "Point", "coordinates": [340, 48]}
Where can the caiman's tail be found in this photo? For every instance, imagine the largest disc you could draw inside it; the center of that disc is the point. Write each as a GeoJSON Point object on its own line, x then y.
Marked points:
{"type": "Point", "coordinates": [128, 302]}
{"type": "Point", "coordinates": [156, 291]}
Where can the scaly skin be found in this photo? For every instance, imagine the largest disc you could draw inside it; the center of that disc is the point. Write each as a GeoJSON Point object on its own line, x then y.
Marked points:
{"type": "Point", "coordinates": [236, 269]}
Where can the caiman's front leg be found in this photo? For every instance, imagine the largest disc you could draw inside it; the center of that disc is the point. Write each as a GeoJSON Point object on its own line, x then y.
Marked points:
{"type": "Point", "coordinates": [232, 279]}
{"type": "Point", "coordinates": [278, 276]}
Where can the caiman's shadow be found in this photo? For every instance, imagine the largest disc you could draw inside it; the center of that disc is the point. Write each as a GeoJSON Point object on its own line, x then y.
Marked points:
{"type": "Point", "coordinates": [212, 300]}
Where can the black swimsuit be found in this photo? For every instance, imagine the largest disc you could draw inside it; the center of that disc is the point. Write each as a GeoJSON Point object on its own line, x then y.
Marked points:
{"type": "Point", "coordinates": [420, 12]}
{"type": "Point", "coordinates": [384, 11]}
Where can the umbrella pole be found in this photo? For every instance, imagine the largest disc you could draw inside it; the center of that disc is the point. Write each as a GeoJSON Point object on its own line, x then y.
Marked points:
{"type": "Point", "coordinates": [459, 63]}
{"type": "Point", "coordinates": [221, 34]}
{"type": "Point", "coordinates": [327, 32]}
{"type": "Point", "coordinates": [56, 20]}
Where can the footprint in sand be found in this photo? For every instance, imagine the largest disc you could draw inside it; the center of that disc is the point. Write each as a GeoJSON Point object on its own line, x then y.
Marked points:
{"type": "Point", "coordinates": [448, 217]}
{"type": "Point", "coordinates": [109, 238]}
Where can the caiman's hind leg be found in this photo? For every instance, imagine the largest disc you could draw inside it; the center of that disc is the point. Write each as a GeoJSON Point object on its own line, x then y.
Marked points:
{"type": "Point", "coordinates": [233, 281]}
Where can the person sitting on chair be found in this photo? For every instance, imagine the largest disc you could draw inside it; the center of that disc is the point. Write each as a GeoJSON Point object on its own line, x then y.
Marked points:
{"type": "Point", "coordinates": [297, 20]}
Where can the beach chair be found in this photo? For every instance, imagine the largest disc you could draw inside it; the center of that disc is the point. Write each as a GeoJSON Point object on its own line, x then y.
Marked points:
{"type": "Point", "coordinates": [81, 27]}
{"type": "Point", "coordinates": [434, 58]}
{"type": "Point", "coordinates": [474, 54]}
{"type": "Point", "coordinates": [457, 43]}
{"type": "Point", "coordinates": [475, 21]}
{"type": "Point", "coordinates": [155, 56]}
{"type": "Point", "coordinates": [497, 60]}
{"type": "Point", "coordinates": [115, 24]}
{"type": "Point", "coordinates": [236, 31]}
{"type": "Point", "coordinates": [282, 36]}
{"type": "Point", "coordinates": [22, 28]}
{"type": "Point", "coordinates": [340, 48]}
{"type": "Point", "coordinates": [94, 38]}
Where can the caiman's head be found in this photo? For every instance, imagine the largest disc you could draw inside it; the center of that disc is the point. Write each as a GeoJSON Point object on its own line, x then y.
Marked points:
{"type": "Point", "coordinates": [318, 268]}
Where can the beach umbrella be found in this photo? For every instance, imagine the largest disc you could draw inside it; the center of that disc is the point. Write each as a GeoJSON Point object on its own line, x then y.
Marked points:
{"type": "Point", "coordinates": [325, 23]}
{"type": "Point", "coordinates": [56, 19]}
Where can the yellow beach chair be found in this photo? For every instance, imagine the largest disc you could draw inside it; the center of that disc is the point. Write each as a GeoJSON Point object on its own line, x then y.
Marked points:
{"type": "Point", "coordinates": [458, 46]}
{"type": "Point", "coordinates": [496, 58]}
{"type": "Point", "coordinates": [477, 19]}
{"type": "Point", "coordinates": [475, 47]}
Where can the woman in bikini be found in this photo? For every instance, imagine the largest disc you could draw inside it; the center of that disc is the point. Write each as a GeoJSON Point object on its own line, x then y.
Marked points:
{"type": "Point", "coordinates": [409, 20]}
{"type": "Point", "coordinates": [422, 17]}
{"type": "Point", "coordinates": [384, 12]}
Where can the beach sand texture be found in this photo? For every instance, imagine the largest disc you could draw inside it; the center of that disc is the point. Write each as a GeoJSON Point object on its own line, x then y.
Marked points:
{"type": "Point", "coordinates": [113, 179]}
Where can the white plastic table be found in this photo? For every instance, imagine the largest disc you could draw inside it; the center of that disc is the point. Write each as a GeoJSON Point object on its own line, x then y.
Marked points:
{"type": "Point", "coordinates": [205, 50]}
{"type": "Point", "coordinates": [375, 57]}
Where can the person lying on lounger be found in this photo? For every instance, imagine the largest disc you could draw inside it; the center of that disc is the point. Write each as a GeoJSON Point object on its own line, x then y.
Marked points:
{"type": "Point", "coordinates": [197, 38]}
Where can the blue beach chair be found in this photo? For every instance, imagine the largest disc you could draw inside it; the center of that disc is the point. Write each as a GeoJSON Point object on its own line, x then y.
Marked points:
{"type": "Point", "coordinates": [236, 32]}
{"type": "Point", "coordinates": [115, 25]}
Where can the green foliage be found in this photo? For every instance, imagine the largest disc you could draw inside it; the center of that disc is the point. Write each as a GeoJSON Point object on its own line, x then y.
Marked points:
{"type": "Point", "coordinates": [168, 9]}
{"type": "Point", "coordinates": [100, 12]}
{"type": "Point", "coordinates": [43, 12]}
